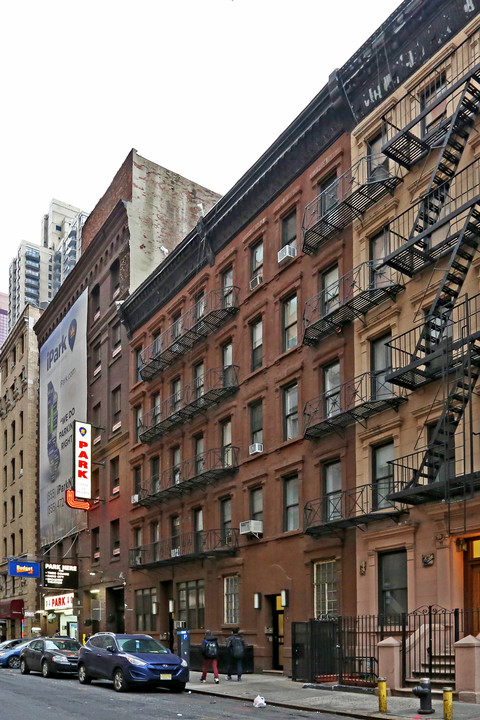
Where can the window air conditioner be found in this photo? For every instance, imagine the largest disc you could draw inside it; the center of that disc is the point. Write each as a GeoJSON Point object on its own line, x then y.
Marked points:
{"type": "Point", "coordinates": [256, 281]}
{"type": "Point", "coordinates": [255, 448]}
{"type": "Point", "coordinates": [175, 552]}
{"type": "Point", "coordinates": [251, 527]}
{"type": "Point", "coordinates": [286, 253]}
{"type": "Point", "coordinates": [179, 624]}
{"type": "Point", "coordinates": [138, 559]}
{"type": "Point", "coordinates": [135, 499]}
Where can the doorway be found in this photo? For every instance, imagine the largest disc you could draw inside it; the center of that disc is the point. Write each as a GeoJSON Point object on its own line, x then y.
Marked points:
{"type": "Point", "coordinates": [275, 631]}
{"type": "Point", "coordinates": [116, 609]}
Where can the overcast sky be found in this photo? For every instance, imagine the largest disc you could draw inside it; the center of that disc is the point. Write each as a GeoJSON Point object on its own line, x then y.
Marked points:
{"type": "Point", "coordinates": [202, 87]}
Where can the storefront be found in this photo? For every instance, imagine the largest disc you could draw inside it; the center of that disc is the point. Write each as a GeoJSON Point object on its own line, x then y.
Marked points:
{"type": "Point", "coordinates": [60, 615]}
{"type": "Point", "coordinates": [11, 618]}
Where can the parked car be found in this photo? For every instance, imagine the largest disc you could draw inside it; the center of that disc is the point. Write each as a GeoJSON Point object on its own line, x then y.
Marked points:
{"type": "Point", "coordinates": [6, 644]}
{"type": "Point", "coordinates": [50, 656]}
{"type": "Point", "coordinates": [131, 660]}
{"type": "Point", "coordinates": [10, 657]}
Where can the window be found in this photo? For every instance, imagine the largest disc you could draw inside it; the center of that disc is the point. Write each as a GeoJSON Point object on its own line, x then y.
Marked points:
{"type": "Point", "coordinates": [116, 408]}
{"type": "Point", "coordinates": [199, 453]}
{"type": "Point", "coordinates": [231, 614]}
{"type": "Point", "coordinates": [115, 537]}
{"type": "Point", "coordinates": [331, 383]}
{"type": "Point", "coordinates": [227, 364]}
{"type": "Point", "coordinates": [227, 288]}
{"type": "Point", "coordinates": [226, 440]}
{"type": "Point", "coordinates": [328, 194]}
{"type": "Point", "coordinates": [156, 410]}
{"type": "Point", "coordinates": [392, 585]}
{"type": "Point", "coordinates": [5, 477]}
{"type": "Point", "coordinates": [138, 364]}
{"type": "Point", "coordinates": [198, 380]}
{"type": "Point", "coordinates": [176, 459]}
{"type": "Point", "coordinates": [5, 442]}
{"type": "Point", "coordinates": [198, 529]}
{"type": "Point", "coordinates": [116, 338]}
{"type": "Point", "coordinates": [256, 334]}
{"type": "Point", "coordinates": [146, 609]}
{"type": "Point", "coordinates": [377, 162]}
{"type": "Point", "coordinates": [175, 535]}
{"type": "Point", "coordinates": [176, 398]}
{"type": "Point", "coordinates": [95, 302]}
{"type": "Point", "coordinates": [256, 422]}
{"type": "Point", "coordinates": [379, 247]}
{"type": "Point", "coordinates": [191, 603]}
{"type": "Point", "coordinates": [381, 363]}
{"type": "Point", "coordinates": [156, 344]}
{"type": "Point", "coordinates": [21, 423]}
{"type": "Point", "coordinates": [12, 434]}
{"type": "Point", "coordinates": [155, 474]}
{"type": "Point", "coordinates": [441, 450]}
{"type": "Point", "coordinates": [256, 260]}
{"type": "Point", "coordinates": [155, 540]}
{"type": "Point", "coordinates": [20, 458]}
{"type": "Point", "coordinates": [137, 479]}
{"type": "Point", "coordinates": [226, 521]}
{"type": "Point", "coordinates": [12, 507]}
{"type": "Point", "coordinates": [291, 515]}
{"type": "Point", "coordinates": [97, 359]}
{"type": "Point", "coordinates": [200, 304]}
{"type": "Point", "coordinates": [176, 326]}
{"type": "Point", "coordinates": [138, 422]}
{"type": "Point", "coordinates": [428, 96]}
{"type": "Point", "coordinates": [325, 588]}
{"type": "Point", "coordinates": [115, 279]}
{"type": "Point", "coordinates": [290, 412]}
{"type": "Point", "coordinates": [137, 538]}
{"type": "Point", "coordinates": [115, 475]}
{"type": "Point", "coordinates": [289, 229]}
{"type": "Point", "coordinates": [329, 290]}
{"type": "Point", "coordinates": [289, 308]}
{"type": "Point", "coordinates": [256, 504]}
{"type": "Point", "coordinates": [382, 475]}
{"type": "Point", "coordinates": [333, 491]}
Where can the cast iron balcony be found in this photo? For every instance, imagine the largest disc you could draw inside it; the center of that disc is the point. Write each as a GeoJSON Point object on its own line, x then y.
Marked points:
{"type": "Point", "coordinates": [360, 187]}
{"type": "Point", "coordinates": [353, 401]}
{"type": "Point", "coordinates": [348, 508]}
{"type": "Point", "coordinates": [208, 390]}
{"type": "Point", "coordinates": [214, 309]}
{"type": "Point", "coordinates": [424, 354]}
{"type": "Point", "coordinates": [185, 547]}
{"type": "Point", "coordinates": [197, 472]}
{"type": "Point", "coordinates": [419, 121]}
{"type": "Point", "coordinates": [418, 478]}
{"type": "Point", "coordinates": [350, 297]}
{"type": "Point", "coordinates": [440, 216]}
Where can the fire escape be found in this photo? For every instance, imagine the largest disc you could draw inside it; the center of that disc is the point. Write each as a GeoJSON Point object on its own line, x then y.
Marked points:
{"type": "Point", "coordinates": [442, 227]}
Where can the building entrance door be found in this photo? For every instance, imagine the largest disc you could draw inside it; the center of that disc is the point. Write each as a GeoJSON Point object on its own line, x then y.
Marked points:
{"type": "Point", "coordinates": [276, 629]}
{"type": "Point", "coordinates": [472, 586]}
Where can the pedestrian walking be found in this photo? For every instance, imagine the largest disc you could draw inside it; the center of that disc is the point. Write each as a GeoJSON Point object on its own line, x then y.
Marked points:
{"type": "Point", "coordinates": [236, 653]}
{"type": "Point", "coordinates": [209, 650]}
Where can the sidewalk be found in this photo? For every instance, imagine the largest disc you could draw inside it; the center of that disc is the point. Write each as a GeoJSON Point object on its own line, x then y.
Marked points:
{"type": "Point", "coordinates": [282, 691]}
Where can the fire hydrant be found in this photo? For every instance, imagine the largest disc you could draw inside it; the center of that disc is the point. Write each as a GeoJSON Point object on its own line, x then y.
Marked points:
{"type": "Point", "coordinates": [424, 692]}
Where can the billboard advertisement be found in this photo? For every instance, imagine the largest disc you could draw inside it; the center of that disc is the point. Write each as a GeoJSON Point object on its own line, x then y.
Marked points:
{"type": "Point", "coordinates": [63, 399]}
{"type": "Point", "coordinates": [60, 575]}
{"type": "Point", "coordinates": [23, 568]}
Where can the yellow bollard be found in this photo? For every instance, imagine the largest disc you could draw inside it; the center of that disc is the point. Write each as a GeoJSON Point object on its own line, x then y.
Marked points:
{"type": "Point", "coordinates": [447, 703]}
{"type": "Point", "coordinates": [382, 695]}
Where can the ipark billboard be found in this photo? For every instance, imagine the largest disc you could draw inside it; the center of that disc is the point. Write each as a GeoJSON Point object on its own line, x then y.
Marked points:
{"type": "Point", "coordinates": [63, 399]}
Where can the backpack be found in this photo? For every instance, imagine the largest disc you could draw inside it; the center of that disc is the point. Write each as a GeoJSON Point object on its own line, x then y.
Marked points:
{"type": "Point", "coordinates": [237, 646]}
{"type": "Point", "coordinates": [210, 649]}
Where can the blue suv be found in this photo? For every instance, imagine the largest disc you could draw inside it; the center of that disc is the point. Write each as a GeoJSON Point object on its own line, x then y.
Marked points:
{"type": "Point", "coordinates": [130, 660]}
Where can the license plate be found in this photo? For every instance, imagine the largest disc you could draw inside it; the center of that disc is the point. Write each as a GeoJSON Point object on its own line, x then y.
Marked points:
{"type": "Point", "coordinates": [165, 676]}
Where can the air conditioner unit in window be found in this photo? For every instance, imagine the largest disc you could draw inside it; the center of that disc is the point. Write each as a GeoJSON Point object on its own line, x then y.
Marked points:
{"type": "Point", "coordinates": [256, 281]}
{"type": "Point", "coordinates": [287, 253]}
{"type": "Point", "coordinates": [175, 552]}
{"type": "Point", "coordinates": [179, 624]}
{"type": "Point", "coordinates": [251, 527]}
{"type": "Point", "coordinates": [255, 448]}
{"type": "Point", "coordinates": [134, 498]}
{"type": "Point", "coordinates": [138, 559]}
{"type": "Point", "coordinates": [21, 472]}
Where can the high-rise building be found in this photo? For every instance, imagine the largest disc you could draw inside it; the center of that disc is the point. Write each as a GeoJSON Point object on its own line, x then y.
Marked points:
{"type": "Point", "coordinates": [3, 317]}
{"type": "Point", "coordinates": [37, 271]}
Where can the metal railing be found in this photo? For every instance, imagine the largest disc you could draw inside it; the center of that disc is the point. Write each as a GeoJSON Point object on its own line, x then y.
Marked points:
{"type": "Point", "coordinates": [349, 297]}
{"type": "Point", "coordinates": [185, 546]}
{"type": "Point", "coordinates": [352, 401]}
{"type": "Point", "coordinates": [191, 473]}
{"type": "Point", "coordinates": [347, 198]}
{"type": "Point", "coordinates": [209, 313]}
{"type": "Point", "coordinates": [207, 390]}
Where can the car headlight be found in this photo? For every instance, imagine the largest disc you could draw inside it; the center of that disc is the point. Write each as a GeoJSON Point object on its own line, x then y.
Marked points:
{"type": "Point", "coordinates": [59, 659]}
{"type": "Point", "coordinates": [134, 660]}
{"type": "Point", "coordinates": [184, 663]}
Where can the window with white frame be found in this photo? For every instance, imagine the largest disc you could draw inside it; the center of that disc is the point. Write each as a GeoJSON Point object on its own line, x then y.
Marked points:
{"type": "Point", "coordinates": [325, 588]}
{"type": "Point", "coordinates": [231, 614]}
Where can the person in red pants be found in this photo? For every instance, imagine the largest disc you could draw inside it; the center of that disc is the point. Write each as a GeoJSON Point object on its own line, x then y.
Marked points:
{"type": "Point", "coordinates": [209, 651]}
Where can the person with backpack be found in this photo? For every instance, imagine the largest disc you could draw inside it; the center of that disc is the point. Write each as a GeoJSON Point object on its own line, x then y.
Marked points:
{"type": "Point", "coordinates": [236, 652]}
{"type": "Point", "coordinates": [209, 649]}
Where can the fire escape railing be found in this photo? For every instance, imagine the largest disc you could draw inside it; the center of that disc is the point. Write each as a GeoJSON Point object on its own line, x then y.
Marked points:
{"type": "Point", "coordinates": [185, 546]}
{"type": "Point", "coordinates": [356, 190]}
{"type": "Point", "coordinates": [352, 401]}
{"type": "Point", "coordinates": [191, 474]}
{"type": "Point", "coordinates": [348, 508]}
{"type": "Point", "coordinates": [419, 121]}
{"type": "Point", "coordinates": [214, 309]}
{"type": "Point", "coordinates": [350, 297]}
{"type": "Point", "coordinates": [208, 390]}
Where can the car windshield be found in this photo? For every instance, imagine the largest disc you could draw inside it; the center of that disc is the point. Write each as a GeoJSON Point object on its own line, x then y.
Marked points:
{"type": "Point", "coordinates": [62, 645]}
{"type": "Point", "coordinates": [141, 645]}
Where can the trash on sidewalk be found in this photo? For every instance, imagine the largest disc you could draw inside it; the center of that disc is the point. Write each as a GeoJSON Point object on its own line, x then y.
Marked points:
{"type": "Point", "coordinates": [259, 702]}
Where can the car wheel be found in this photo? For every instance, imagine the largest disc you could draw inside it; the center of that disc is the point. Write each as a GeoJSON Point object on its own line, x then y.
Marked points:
{"type": "Point", "coordinates": [23, 667]}
{"type": "Point", "coordinates": [177, 687]}
{"type": "Point", "coordinates": [13, 662]}
{"type": "Point", "coordinates": [45, 669]}
{"type": "Point", "coordinates": [83, 676]}
{"type": "Point", "coordinates": [119, 682]}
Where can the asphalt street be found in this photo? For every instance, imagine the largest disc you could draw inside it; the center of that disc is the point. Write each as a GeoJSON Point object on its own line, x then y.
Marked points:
{"type": "Point", "coordinates": [32, 696]}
